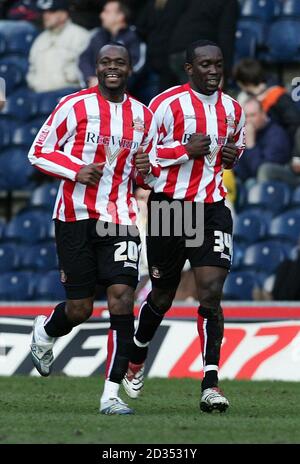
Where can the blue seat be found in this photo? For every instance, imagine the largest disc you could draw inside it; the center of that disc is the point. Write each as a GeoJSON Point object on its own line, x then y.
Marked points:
{"type": "Point", "coordinates": [26, 227]}
{"type": "Point", "coordinates": [239, 286]}
{"type": "Point", "coordinates": [264, 256]}
{"type": "Point", "coordinates": [25, 134]}
{"type": "Point", "coordinates": [286, 226]}
{"type": "Point", "coordinates": [2, 44]}
{"type": "Point", "coordinates": [273, 196]}
{"type": "Point", "coordinates": [283, 41]}
{"type": "Point", "coordinates": [40, 257]}
{"type": "Point", "coordinates": [249, 227]}
{"type": "Point", "coordinates": [44, 196]}
{"type": "Point", "coordinates": [15, 286]}
{"type": "Point", "coordinates": [238, 253]}
{"type": "Point", "coordinates": [4, 133]}
{"type": "Point", "coordinates": [49, 287]}
{"type": "Point", "coordinates": [19, 35]}
{"type": "Point", "coordinates": [290, 8]}
{"type": "Point", "coordinates": [20, 107]}
{"type": "Point", "coordinates": [46, 102]}
{"type": "Point", "coordinates": [12, 75]}
{"type": "Point", "coordinates": [262, 9]}
{"type": "Point", "coordinates": [245, 43]}
{"type": "Point", "coordinates": [295, 201]}
{"type": "Point", "coordinates": [9, 257]}
{"type": "Point", "coordinates": [256, 27]}
{"type": "Point", "coordinates": [15, 169]}
{"type": "Point", "coordinates": [21, 62]}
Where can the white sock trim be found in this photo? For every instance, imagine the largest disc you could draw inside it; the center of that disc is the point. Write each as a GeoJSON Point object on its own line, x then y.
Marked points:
{"type": "Point", "coordinates": [42, 334]}
{"type": "Point", "coordinates": [211, 367]}
{"type": "Point", "coordinates": [139, 344]}
{"type": "Point", "coordinates": [111, 390]}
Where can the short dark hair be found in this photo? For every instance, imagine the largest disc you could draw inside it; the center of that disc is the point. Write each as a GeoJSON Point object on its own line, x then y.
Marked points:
{"type": "Point", "coordinates": [123, 8]}
{"type": "Point", "coordinates": [249, 71]}
{"type": "Point", "coordinates": [115, 43]}
{"type": "Point", "coordinates": [190, 50]}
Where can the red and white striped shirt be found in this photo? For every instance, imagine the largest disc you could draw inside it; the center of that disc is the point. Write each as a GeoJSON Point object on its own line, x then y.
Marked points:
{"type": "Point", "coordinates": [86, 128]}
{"type": "Point", "coordinates": [179, 113]}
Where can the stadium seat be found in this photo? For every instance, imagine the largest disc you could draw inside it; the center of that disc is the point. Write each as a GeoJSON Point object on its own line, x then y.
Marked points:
{"type": "Point", "coordinates": [9, 257]}
{"type": "Point", "coordinates": [264, 256]}
{"type": "Point", "coordinates": [295, 201]}
{"type": "Point", "coordinates": [40, 257]}
{"type": "Point", "coordinates": [26, 227]}
{"type": "Point", "coordinates": [44, 196]}
{"type": "Point", "coordinates": [262, 9]}
{"type": "Point", "coordinates": [273, 196]}
{"type": "Point", "coordinates": [2, 44]}
{"type": "Point", "coordinates": [24, 135]}
{"type": "Point", "coordinates": [2, 227]}
{"type": "Point", "coordinates": [21, 62]}
{"type": "Point", "coordinates": [238, 253]}
{"type": "Point", "coordinates": [15, 286]}
{"type": "Point", "coordinates": [283, 41]}
{"type": "Point", "coordinates": [257, 28]}
{"type": "Point", "coordinates": [239, 286]}
{"type": "Point", "coordinates": [290, 8]}
{"type": "Point", "coordinates": [19, 35]}
{"type": "Point", "coordinates": [20, 107]}
{"type": "Point", "coordinates": [49, 287]}
{"type": "Point", "coordinates": [249, 227]}
{"type": "Point", "coordinates": [47, 101]}
{"type": "Point", "coordinates": [12, 75]}
{"type": "Point", "coordinates": [4, 133]}
{"type": "Point", "coordinates": [245, 43]}
{"type": "Point", "coordinates": [286, 226]}
{"type": "Point", "coordinates": [15, 169]}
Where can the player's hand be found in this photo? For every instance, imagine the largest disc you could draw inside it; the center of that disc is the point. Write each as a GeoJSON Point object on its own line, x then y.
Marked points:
{"type": "Point", "coordinates": [198, 146]}
{"type": "Point", "coordinates": [142, 162]}
{"type": "Point", "coordinates": [90, 174]}
{"type": "Point", "coordinates": [230, 153]}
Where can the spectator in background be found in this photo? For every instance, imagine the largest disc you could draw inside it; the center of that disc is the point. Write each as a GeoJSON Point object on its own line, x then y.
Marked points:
{"type": "Point", "coordinates": [115, 19]}
{"type": "Point", "coordinates": [251, 78]}
{"type": "Point", "coordinates": [155, 24]}
{"type": "Point", "coordinates": [23, 10]}
{"type": "Point", "coordinates": [266, 141]}
{"type": "Point", "coordinates": [53, 58]}
{"type": "Point", "coordinates": [85, 13]}
{"type": "Point", "coordinates": [213, 20]}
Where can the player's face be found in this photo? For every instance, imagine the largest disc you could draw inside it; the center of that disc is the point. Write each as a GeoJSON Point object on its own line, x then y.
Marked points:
{"type": "Point", "coordinates": [206, 72]}
{"type": "Point", "coordinates": [113, 67]}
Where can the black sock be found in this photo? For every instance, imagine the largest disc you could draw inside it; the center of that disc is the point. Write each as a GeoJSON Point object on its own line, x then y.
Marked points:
{"type": "Point", "coordinates": [150, 318]}
{"type": "Point", "coordinates": [58, 324]}
{"type": "Point", "coordinates": [120, 343]}
{"type": "Point", "coordinates": [214, 330]}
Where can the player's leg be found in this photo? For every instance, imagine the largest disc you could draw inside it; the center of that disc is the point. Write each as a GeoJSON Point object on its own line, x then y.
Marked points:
{"type": "Point", "coordinates": [78, 268]}
{"type": "Point", "coordinates": [166, 258]}
{"type": "Point", "coordinates": [211, 263]}
{"type": "Point", "coordinates": [209, 283]}
{"type": "Point", "coordinates": [118, 257]}
{"type": "Point", "coordinates": [120, 300]}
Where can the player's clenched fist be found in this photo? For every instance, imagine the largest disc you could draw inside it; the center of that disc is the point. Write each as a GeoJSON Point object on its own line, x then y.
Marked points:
{"type": "Point", "coordinates": [142, 162]}
{"type": "Point", "coordinates": [230, 153]}
{"type": "Point", "coordinates": [198, 146]}
{"type": "Point", "coordinates": [90, 174]}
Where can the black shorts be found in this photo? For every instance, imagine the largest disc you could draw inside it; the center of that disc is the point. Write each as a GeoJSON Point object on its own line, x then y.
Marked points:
{"type": "Point", "coordinates": [167, 254]}
{"type": "Point", "coordinates": [87, 258]}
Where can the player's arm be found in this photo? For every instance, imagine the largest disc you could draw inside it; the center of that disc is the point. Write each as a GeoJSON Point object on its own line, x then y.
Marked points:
{"type": "Point", "coordinates": [172, 152]}
{"type": "Point", "coordinates": [46, 151]}
{"type": "Point", "coordinates": [235, 145]}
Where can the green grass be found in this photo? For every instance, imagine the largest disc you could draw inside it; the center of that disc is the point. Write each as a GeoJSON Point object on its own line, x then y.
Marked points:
{"type": "Point", "coordinates": [65, 410]}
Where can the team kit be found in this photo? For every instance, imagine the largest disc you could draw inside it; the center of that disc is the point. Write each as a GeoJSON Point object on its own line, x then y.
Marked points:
{"type": "Point", "coordinates": [102, 143]}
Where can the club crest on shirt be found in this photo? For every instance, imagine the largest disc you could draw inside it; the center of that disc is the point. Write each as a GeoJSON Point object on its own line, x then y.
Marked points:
{"type": "Point", "coordinates": [63, 277]}
{"type": "Point", "coordinates": [231, 122]}
{"type": "Point", "coordinates": [138, 124]}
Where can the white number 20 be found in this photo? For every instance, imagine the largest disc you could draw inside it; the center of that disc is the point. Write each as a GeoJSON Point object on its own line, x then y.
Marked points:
{"type": "Point", "coordinates": [126, 251]}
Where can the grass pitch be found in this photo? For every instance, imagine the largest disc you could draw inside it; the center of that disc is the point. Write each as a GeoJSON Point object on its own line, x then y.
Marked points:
{"type": "Point", "coordinates": [65, 410]}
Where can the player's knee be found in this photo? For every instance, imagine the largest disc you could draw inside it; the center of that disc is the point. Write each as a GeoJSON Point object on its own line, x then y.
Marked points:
{"type": "Point", "coordinates": [121, 302]}
{"type": "Point", "coordinates": [79, 311]}
{"type": "Point", "coordinates": [211, 293]}
{"type": "Point", "coordinates": [162, 301]}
